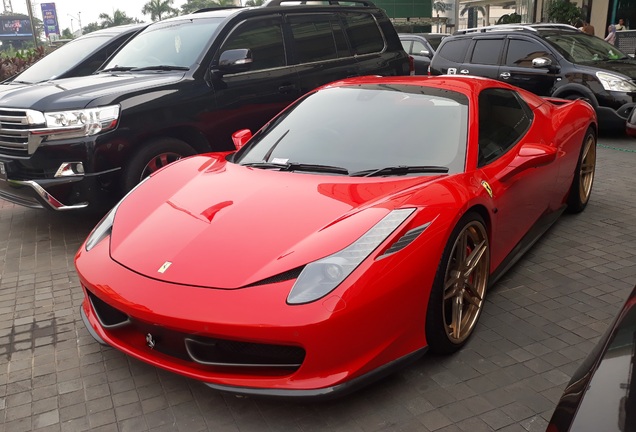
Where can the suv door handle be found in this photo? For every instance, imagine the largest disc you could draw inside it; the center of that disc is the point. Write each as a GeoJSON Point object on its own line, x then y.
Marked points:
{"type": "Point", "coordinates": [288, 88]}
{"type": "Point", "coordinates": [505, 75]}
{"type": "Point", "coordinates": [464, 71]}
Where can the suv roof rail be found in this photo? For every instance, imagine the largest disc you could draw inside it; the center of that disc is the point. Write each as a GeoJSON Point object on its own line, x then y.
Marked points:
{"type": "Point", "coordinates": [507, 27]}
{"type": "Point", "coordinates": [272, 3]}
{"type": "Point", "coordinates": [215, 8]}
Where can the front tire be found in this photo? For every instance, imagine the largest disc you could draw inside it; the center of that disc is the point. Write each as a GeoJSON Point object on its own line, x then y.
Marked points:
{"type": "Point", "coordinates": [459, 289]}
{"type": "Point", "coordinates": [153, 156]}
{"type": "Point", "coordinates": [581, 188]}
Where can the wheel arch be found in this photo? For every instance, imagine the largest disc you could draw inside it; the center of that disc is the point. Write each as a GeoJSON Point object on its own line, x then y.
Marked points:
{"type": "Point", "coordinates": [570, 90]}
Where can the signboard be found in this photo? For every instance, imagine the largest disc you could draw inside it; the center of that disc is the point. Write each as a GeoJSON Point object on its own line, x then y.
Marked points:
{"type": "Point", "coordinates": [15, 26]}
{"type": "Point", "coordinates": [49, 18]}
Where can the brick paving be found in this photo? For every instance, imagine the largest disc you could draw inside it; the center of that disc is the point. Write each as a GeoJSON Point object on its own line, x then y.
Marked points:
{"type": "Point", "coordinates": [540, 321]}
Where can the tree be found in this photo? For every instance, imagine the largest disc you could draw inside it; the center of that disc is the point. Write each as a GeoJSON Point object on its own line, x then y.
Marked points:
{"type": "Point", "coordinates": [91, 28]}
{"type": "Point", "coordinates": [66, 34]}
{"type": "Point", "coordinates": [159, 9]}
{"type": "Point", "coordinates": [562, 11]}
{"type": "Point", "coordinates": [512, 18]}
{"type": "Point", "coordinates": [194, 5]}
{"type": "Point", "coordinates": [254, 2]}
{"type": "Point", "coordinates": [119, 18]}
{"type": "Point", "coordinates": [473, 12]}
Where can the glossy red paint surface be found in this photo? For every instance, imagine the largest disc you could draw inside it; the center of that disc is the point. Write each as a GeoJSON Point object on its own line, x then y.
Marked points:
{"type": "Point", "coordinates": [225, 229]}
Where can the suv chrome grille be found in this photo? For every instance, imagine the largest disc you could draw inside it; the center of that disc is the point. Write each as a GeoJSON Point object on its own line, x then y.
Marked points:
{"type": "Point", "coordinates": [15, 136]}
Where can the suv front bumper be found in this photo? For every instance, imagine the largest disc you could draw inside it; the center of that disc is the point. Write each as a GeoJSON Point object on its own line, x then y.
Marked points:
{"type": "Point", "coordinates": [40, 193]}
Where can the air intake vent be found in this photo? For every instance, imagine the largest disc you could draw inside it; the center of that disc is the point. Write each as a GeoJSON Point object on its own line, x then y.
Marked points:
{"type": "Point", "coordinates": [406, 239]}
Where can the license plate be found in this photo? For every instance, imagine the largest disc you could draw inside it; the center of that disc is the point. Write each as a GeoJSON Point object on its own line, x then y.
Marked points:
{"type": "Point", "coordinates": [3, 171]}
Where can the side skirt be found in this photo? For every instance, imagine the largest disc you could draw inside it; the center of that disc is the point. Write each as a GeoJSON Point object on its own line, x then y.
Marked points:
{"type": "Point", "coordinates": [538, 229]}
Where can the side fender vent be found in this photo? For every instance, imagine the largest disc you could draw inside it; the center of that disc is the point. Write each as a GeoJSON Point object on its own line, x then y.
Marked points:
{"type": "Point", "coordinates": [405, 240]}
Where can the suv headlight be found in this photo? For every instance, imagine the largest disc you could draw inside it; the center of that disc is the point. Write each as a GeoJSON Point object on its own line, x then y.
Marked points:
{"type": "Point", "coordinates": [321, 277]}
{"type": "Point", "coordinates": [612, 82]}
{"type": "Point", "coordinates": [78, 123]}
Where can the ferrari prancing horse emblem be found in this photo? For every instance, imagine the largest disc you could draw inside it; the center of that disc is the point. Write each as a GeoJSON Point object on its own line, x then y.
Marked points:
{"type": "Point", "coordinates": [486, 186]}
{"type": "Point", "coordinates": [150, 341]}
{"type": "Point", "coordinates": [167, 264]}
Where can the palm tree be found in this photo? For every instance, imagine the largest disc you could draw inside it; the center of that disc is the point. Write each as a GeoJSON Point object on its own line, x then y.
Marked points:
{"type": "Point", "coordinates": [158, 9]}
{"type": "Point", "coordinates": [193, 5]}
{"type": "Point", "coordinates": [119, 18]}
{"type": "Point", "coordinates": [440, 6]}
{"type": "Point", "coordinates": [472, 9]}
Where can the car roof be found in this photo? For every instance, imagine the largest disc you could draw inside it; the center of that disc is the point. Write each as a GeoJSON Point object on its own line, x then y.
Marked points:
{"type": "Point", "coordinates": [114, 31]}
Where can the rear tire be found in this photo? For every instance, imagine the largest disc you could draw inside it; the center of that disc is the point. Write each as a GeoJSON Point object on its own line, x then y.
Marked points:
{"type": "Point", "coordinates": [581, 188]}
{"type": "Point", "coordinates": [151, 157]}
{"type": "Point", "coordinates": [459, 289]}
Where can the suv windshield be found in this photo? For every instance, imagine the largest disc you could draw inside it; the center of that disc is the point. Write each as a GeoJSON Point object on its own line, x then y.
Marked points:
{"type": "Point", "coordinates": [62, 59]}
{"type": "Point", "coordinates": [580, 48]}
{"type": "Point", "coordinates": [369, 127]}
{"type": "Point", "coordinates": [174, 43]}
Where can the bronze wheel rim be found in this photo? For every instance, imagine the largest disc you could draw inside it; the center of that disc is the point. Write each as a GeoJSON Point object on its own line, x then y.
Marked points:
{"type": "Point", "coordinates": [158, 162]}
{"type": "Point", "coordinates": [465, 282]}
{"type": "Point", "coordinates": [588, 166]}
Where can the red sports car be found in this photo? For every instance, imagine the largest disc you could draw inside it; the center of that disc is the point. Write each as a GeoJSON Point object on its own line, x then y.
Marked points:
{"type": "Point", "coordinates": [359, 227]}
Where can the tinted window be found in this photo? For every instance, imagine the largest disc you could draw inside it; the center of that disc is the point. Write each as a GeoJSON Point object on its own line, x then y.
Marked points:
{"type": "Point", "coordinates": [314, 39]}
{"type": "Point", "coordinates": [264, 37]}
{"type": "Point", "coordinates": [174, 43]}
{"type": "Point", "coordinates": [406, 44]}
{"type": "Point", "coordinates": [581, 48]}
{"type": "Point", "coordinates": [63, 59]}
{"type": "Point", "coordinates": [418, 47]}
{"type": "Point", "coordinates": [487, 51]}
{"type": "Point", "coordinates": [391, 125]}
{"type": "Point", "coordinates": [522, 52]}
{"type": "Point", "coordinates": [364, 33]}
{"type": "Point", "coordinates": [455, 50]}
{"type": "Point", "coordinates": [503, 120]}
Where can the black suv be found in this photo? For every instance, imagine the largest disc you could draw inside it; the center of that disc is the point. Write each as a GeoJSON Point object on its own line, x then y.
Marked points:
{"type": "Point", "coordinates": [180, 87]}
{"type": "Point", "coordinates": [548, 59]}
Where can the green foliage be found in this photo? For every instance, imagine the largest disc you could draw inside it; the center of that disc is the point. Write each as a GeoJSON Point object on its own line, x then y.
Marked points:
{"type": "Point", "coordinates": [13, 62]}
{"type": "Point", "coordinates": [159, 9]}
{"type": "Point", "coordinates": [512, 18]}
{"type": "Point", "coordinates": [66, 34]}
{"type": "Point", "coordinates": [91, 28]}
{"type": "Point", "coordinates": [562, 11]}
{"type": "Point", "coordinates": [194, 5]}
{"type": "Point", "coordinates": [119, 18]}
{"type": "Point", "coordinates": [254, 2]}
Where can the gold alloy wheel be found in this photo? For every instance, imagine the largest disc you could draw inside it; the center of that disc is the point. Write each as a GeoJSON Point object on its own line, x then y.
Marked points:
{"type": "Point", "coordinates": [465, 282]}
{"type": "Point", "coordinates": [588, 166]}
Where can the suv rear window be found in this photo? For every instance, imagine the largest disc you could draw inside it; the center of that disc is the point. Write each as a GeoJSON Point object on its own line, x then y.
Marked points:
{"type": "Point", "coordinates": [317, 38]}
{"type": "Point", "coordinates": [454, 50]}
{"type": "Point", "coordinates": [364, 33]}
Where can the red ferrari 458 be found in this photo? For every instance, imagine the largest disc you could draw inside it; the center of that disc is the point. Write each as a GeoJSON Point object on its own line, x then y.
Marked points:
{"type": "Point", "coordinates": [358, 228]}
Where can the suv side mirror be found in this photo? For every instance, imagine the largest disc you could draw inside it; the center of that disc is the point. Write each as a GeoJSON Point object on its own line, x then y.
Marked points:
{"type": "Point", "coordinates": [425, 53]}
{"type": "Point", "coordinates": [235, 60]}
{"type": "Point", "coordinates": [541, 62]}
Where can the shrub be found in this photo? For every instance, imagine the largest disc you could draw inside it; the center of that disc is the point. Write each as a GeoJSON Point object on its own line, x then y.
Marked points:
{"type": "Point", "coordinates": [13, 62]}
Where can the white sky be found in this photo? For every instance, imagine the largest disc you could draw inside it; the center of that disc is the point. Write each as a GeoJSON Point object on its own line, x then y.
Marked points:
{"type": "Point", "coordinates": [87, 10]}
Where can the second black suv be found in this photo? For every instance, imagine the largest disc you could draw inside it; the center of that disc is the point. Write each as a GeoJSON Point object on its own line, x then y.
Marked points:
{"type": "Point", "coordinates": [180, 87]}
{"type": "Point", "coordinates": [548, 59]}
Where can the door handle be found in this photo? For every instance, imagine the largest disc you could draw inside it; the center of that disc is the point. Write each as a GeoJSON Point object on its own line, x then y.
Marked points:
{"type": "Point", "coordinates": [288, 88]}
{"type": "Point", "coordinates": [464, 71]}
{"type": "Point", "coordinates": [505, 75]}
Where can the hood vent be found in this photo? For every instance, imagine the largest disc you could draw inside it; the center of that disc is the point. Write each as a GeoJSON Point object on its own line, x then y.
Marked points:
{"type": "Point", "coordinates": [405, 240]}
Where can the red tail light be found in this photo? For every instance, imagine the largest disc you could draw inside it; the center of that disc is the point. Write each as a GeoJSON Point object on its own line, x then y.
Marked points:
{"type": "Point", "coordinates": [411, 65]}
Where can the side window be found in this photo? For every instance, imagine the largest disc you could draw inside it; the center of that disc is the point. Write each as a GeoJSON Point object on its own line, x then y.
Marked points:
{"type": "Point", "coordinates": [503, 119]}
{"type": "Point", "coordinates": [454, 50]}
{"type": "Point", "coordinates": [418, 47]}
{"type": "Point", "coordinates": [264, 37]}
{"type": "Point", "coordinates": [487, 51]}
{"type": "Point", "coordinates": [406, 44]}
{"type": "Point", "coordinates": [522, 52]}
{"type": "Point", "coordinates": [314, 38]}
{"type": "Point", "coordinates": [364, 34]}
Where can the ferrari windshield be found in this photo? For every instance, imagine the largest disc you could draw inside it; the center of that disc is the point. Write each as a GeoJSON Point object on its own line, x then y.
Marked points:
{"type": "Point", "coordinates": [177, 44]}
{"type": "Point", "coordinates": [582, 48]}
{"type": "Point", "coordinates": [369, 129]}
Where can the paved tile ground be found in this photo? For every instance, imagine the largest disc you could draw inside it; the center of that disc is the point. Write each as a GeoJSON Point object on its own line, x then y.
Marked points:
{"type": "Point", "coordinates": [540, 321]}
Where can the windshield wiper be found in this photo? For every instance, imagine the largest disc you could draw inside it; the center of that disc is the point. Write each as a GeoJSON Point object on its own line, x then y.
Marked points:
{"type": "Point", "coordinates": [294, 166]}
{"type": "Point", "coordinates": [160, 68]}
{"type": "Point", "coordinates": [400, 170]}
{"type": "Point", "coordinates": [116, 69]}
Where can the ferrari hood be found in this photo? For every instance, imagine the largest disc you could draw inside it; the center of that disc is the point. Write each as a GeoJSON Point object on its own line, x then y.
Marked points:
{"type": "Point", "coordinates": [205, 222]}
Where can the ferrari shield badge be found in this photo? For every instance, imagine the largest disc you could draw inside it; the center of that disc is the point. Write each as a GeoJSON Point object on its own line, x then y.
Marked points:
{"type": "Point", "coordinates": [486, 186]}
{"type": "Point", "coordinates": [164, 267]}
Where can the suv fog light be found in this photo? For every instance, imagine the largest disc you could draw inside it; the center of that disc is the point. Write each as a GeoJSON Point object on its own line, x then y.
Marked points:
{"type": "Point", "coordinates": [68, 169]}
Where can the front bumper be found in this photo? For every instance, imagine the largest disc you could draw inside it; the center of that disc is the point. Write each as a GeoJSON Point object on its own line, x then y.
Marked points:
{"type": "Point", "coordinates": [346, 344]}
{"type": "Point", "coordinates": [40, 194]}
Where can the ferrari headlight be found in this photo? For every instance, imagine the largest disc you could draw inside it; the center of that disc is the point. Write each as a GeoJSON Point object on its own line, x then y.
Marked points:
{"type": "Point", "coordinates": [321, 277]}
{"type": "Point", "coordinates": [105, 226]}
{"type": "Point", "coordinates": [612, 82]}
{"type": "Point", "coordinates": [78, 123]}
